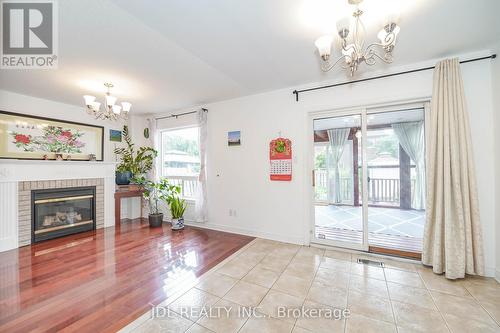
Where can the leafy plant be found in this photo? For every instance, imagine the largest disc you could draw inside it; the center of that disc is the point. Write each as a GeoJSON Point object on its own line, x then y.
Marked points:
{"type": "Point", "coordinates": [178, 207]}
{"type": "Point", "coordinates": [155, 192]}
{"type": "Point", "coordinates": [137, 163]}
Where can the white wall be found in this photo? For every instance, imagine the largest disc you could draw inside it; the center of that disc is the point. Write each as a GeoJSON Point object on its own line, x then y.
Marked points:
{"type": "Point", "coordinates": [18, 103]}
{"type": "Point", "coordinates": [238, 177]}
{"type": "Point", "coordinates": [496, 104]}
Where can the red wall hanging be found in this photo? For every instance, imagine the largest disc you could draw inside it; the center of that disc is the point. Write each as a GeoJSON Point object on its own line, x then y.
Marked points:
{"type": "Point", "coordinates": [280, 156]}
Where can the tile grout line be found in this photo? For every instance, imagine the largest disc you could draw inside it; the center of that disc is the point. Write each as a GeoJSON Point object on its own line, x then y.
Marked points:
{"type": "Point", "coordinates": [482, 306]}
{"type": "Point", "coordinates": [390, 300]}
{"type": "Point", "coordinates": [299, 247]}
{"type": "Point", "coordinates": [348, 290]}
{"type": "Point", "coordinates": [178, 294]}
{"type": "Point", "coordinates": [264, 294]}
{"type": "Point", "coordinates": [298, 250]}
{"type": "Point", "coordinates": [290, 263]}
{"type": "Point", "coordinates": [435, 304]}
{"type": "Point", "coordinates": [222, 297]}
{"type": "Point", "coordinates": [269, 289]}
{"type": "Point", "coordinates": [215, 268]}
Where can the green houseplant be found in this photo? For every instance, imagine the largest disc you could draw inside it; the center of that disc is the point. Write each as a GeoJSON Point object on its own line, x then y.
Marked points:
{"type": "Point", "coordinates": [177, 208]}
{"type": "Point", "coordinates": [156, 192]}
{"type": "Point", "coordinates": [133, 163]}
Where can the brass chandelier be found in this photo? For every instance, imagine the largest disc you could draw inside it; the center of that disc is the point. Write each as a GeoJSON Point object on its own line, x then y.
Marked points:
{"type": "Point", "coordinates": [353, 50]}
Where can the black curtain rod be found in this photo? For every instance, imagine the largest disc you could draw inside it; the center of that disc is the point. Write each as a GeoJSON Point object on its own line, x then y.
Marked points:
{"type": "Point", "coordinates": [180, 114]}
{"type": "Point", "coordinates": [296, 92]}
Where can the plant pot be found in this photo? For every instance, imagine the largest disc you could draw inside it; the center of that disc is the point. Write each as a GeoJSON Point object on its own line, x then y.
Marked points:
{"type": "Point", "coordinates": [123, 178]}
{"type": "Point", "coordinates": [178, 224]}
{"type": "Point", "coordinates": [155, 220]}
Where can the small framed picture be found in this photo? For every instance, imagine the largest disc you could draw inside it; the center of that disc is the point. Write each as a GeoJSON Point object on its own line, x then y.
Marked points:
{"type": "Point", "coordinates": [115, 135]}
{"type": "Point", "coordinates": [234, 138]}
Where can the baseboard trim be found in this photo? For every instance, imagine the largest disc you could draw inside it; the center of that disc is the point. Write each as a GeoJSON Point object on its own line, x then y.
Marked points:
{"type": "Point", "coordinates": [491, 272]}
{"type": "Point", "coordinates": [8, 243]}
{"type": "Point", "coordinates": [248, 232]}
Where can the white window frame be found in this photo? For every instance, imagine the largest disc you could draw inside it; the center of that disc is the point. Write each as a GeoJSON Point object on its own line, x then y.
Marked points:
{"type": "Point", "coordinates": [178, 179]}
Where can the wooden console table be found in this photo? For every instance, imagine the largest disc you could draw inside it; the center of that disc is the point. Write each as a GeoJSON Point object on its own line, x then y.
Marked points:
{"type": "Point", "coordinates": [125, 192]}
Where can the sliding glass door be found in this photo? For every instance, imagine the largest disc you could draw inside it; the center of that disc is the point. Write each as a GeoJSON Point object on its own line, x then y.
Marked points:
{"type": "Point", "coordinates": [338, 210]}
{"type": "Point", "coordinates": [384, 210]}
{"type": "Point", "coordinates": [396, 181]}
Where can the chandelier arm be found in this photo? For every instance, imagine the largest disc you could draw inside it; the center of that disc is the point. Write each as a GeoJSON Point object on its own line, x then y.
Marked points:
{"type": "Point", "coordinates": [374, 44]}
{"type": "Point", "coordinates": [327, 66]}
{"type": "Point", "coordinates": [387, 58]}
{"type": "Point", "coordinates": [369, 59]}
{"type": "Point", "coordinates": [346, 47]}
{"type": "Point", "coordinates": [389, 42]}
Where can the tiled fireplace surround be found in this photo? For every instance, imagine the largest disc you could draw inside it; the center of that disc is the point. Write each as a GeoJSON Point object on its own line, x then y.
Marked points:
{"type": "Point", "coordinates": [24, 201]}
{"type": "Point", "coordinates": [19, 177]}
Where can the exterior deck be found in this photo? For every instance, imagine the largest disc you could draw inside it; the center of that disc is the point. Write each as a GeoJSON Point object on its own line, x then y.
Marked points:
{"type": "Point", "coordinates": [389, 228]}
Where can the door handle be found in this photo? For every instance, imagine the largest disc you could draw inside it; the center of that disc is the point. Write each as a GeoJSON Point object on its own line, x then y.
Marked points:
{"type": "Point", "coordinates": [368, 178]}
{"type": "Point", "coordinates": [314, 178]}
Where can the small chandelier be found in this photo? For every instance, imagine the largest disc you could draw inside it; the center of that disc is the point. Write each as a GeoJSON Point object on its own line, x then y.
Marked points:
{"type": "Point", "coordinates": [354, 52]}
{"type": "Point", "coordinates": [111, 110]}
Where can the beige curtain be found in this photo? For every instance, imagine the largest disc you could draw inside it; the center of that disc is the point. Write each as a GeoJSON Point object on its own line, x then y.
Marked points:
{"type": "Point", "coordinates": [452, 236]}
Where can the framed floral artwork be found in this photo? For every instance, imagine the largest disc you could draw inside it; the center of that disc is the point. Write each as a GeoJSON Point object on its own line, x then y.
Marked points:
{"type": "Point", "coordinates": [31, 137]}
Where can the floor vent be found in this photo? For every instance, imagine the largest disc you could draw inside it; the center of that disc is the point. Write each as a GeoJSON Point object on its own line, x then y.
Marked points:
{"type": "Point", "coordinates": [370, 262]}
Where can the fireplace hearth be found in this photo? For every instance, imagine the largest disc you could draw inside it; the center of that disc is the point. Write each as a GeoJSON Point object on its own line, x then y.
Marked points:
{"type": "Point", "coordinates": [62, 211]}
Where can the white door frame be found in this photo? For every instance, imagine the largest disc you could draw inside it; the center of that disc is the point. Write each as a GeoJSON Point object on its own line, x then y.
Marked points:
{"type": "Point", "coordinates": [330, 114]}
{"type": "Point", "coordinates": [309, 163]}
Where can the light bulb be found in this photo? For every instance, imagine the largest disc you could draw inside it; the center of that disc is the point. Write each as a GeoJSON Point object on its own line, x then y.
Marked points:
{"type": "Point", "coordinates": [89, 100]}
{"type": "Point", "coordinates": [126, 106]}
{"type": "Point", "coordinates": [385, 32]}
{"type": "Point", "coordinates": [110, 100]}
{"type": "Point", "coordinates": [96, 106]}
{"type": "Point", "coordinates": [324, 45]}
{"type": "Point", "coordinates": [343, 27]}
{"type": "Point", "coordinates": [117, 109]}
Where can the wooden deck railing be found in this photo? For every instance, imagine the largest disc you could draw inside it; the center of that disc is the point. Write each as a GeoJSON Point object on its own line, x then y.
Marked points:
{"type": "Point", "coordinates": [380, 190]}
{"type": "Point", "coordinates": [188, 185]}
{"type": "Point", "coordinates": [383, 190]}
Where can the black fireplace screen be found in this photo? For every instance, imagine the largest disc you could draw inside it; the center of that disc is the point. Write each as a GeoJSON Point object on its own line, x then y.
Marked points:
{"type": "Point", "coordinates": [62, 211]}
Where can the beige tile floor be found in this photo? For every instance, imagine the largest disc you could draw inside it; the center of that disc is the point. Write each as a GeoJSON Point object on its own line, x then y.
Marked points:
{"type": "Point", "coordinates": [402, 297]}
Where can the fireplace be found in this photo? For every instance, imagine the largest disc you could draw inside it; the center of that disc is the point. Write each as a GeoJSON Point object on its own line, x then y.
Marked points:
{"type": "Point", "coordinates": [62, 211]}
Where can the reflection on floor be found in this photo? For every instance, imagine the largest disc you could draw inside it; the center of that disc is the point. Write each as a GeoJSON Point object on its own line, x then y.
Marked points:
{"type": "Point", "coordinates": [99, 281]}
{"type": "Point", "coordinates": [269, 276]}
{"type": "Point", "coordinates": [388, 227]}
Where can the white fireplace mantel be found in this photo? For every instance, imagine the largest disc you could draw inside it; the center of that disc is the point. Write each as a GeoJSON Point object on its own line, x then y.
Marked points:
{"type": "Point", "coordinates": [14, 171]}
{"type": "Point", "coordinates": [30, 170]}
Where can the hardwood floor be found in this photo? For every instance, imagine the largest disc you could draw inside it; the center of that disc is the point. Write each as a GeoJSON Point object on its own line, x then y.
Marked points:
{"type": "Point", "coordinates": [100, 281]}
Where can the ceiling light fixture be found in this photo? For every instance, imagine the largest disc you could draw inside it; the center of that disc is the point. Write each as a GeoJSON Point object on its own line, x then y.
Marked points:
{"type": "Point", "coordinates": [353, 45]}
{"type": "Point", "coordinates": [111, 111]}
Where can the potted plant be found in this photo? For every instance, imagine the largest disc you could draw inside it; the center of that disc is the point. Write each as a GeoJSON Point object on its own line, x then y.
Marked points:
{"type": "Point", "coordinates": [177, 208]}
{"type": "Point", "coordinates": [133, 163]}
{"type": "Point", "coordinates": [154, 193]}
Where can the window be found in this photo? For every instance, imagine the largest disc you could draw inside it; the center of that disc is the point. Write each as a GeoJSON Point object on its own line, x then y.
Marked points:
{"type": "Point", "coordinates": [180, 158]}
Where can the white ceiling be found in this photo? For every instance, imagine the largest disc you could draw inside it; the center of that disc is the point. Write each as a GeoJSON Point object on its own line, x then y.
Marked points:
{"type": "Point", "coordinates": [165, 55]}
